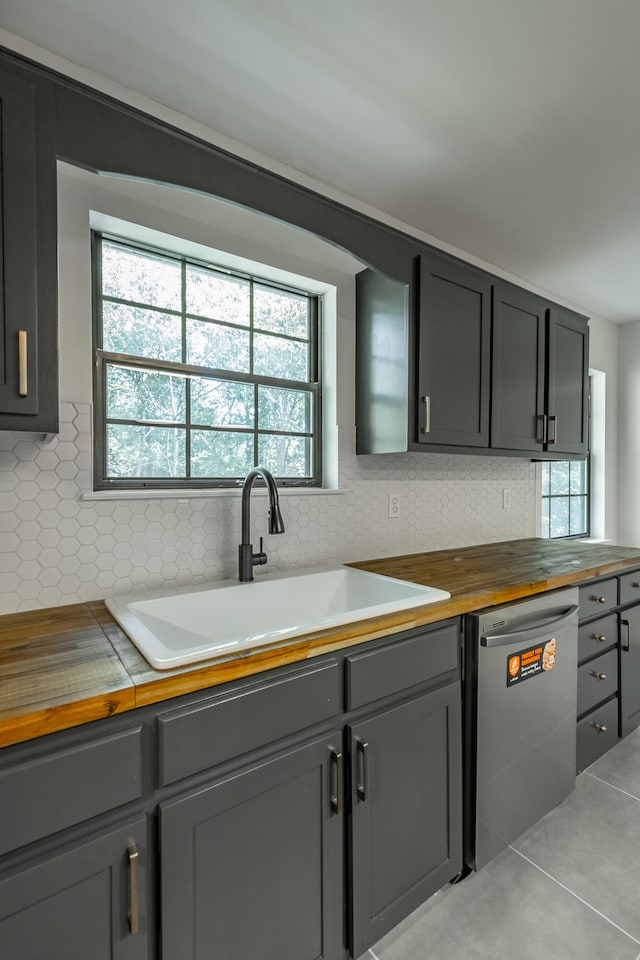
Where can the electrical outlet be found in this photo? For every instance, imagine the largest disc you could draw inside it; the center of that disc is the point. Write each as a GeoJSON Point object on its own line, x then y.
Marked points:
{"type": "Point", "coordinates": [506, 499]}
{"type": "Point", "coordinates": [394, 505]}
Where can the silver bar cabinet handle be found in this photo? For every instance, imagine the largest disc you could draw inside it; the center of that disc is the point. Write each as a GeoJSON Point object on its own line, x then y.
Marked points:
{"type": "Point", "coordinates": [426, 421]}
{"type": "Point", "coordinates": [134, 911]}
{"type": "Point", "coordinates": [335, 798]}
{"type": "Point", "coordinates": [554, 421]}
{"type": "Point", "coordinates": [627, 645]}
{"type": "Point", "coordinates": [22, 363]}
{"type": "Point", "coordinates": [362, 785]}
{"type": "Point", "coordinates": [542, 418]}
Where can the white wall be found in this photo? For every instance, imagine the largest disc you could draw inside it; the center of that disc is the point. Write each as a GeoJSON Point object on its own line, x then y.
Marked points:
{"type": "Point", "coordinates": [629, 435]}
{"type": "Point", "coordinates": [604, 363]}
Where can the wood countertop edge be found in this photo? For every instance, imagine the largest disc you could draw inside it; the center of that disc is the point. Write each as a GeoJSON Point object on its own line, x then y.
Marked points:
{"type": "Point", "coordinates": [17, 727]}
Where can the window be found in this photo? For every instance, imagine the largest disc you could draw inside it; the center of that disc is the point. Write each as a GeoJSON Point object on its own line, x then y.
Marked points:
{"type": "Point", "coordinates": [565, 498]}
{"type": "Point", "coordinates": [201, 373]}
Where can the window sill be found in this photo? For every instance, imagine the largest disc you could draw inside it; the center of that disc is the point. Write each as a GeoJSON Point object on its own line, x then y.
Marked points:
{"type": "Point", "coordinates": [187, 494]}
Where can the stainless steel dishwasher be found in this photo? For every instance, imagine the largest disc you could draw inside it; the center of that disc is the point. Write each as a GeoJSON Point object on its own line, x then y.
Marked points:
{"type": "Point", "coordinates": [520, 718]}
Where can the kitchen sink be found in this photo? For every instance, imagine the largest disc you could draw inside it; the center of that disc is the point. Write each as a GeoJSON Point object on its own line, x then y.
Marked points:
{"type": "Point", "coordinates": [231, 617]}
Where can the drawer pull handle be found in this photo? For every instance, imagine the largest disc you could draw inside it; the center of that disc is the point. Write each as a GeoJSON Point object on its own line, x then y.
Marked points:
{"type": "Point", "coordinates": [598, 676]}
{"type": "Point", "coordinates": [22, 363]}
{"type": "Point", "coordinates": [335, 798]}
{"type": "Point", "coordinates": [542, 422]}
{"type": "Point", "coordinates": [362, 781]}
{"type": "Point", "coordinates": [600, 637]}
{"type": "Point", "coordinates": [625, 645]}
{"type": "Point", "coordinates": [600, 727]}
{"type": "Point", "coordinates": [599, 599]}
{"type": "Point", "coordinates": [635, 584]}
{"type": "Point", "coordinates": [134, 912]}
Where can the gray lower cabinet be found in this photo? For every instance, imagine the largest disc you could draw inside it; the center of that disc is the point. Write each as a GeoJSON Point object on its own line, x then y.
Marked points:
{"type": "Point", "coordinates": [263, 796]}
{"type": "Point", "coordinates": [252, 863]}
{"type": "Point", "coordinates": [406, 810]}
{"type": "Point", "coordinates": [598, 671]}
{"type": "Point", "coordinates": [84, 901]}
{"type": "Point", "coordinates": [629, 669]}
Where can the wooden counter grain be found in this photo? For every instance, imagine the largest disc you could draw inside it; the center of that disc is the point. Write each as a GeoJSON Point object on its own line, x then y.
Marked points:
{"type": "Point", "coordinates": [69, 665]}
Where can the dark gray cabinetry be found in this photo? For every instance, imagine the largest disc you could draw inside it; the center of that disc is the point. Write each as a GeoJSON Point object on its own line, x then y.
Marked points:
{"type": "Point", "coordinates": [567, 382]}
{"type": "Point", "coordinates": [382, 356]}
{"type": "Point", "coordinates": [540, 375]}
{"type": "Point", "coordinates": [454, 354]}
{"type": "Point", "coordinates": [252, 864]}
{"type": "Point", "coordinates": [598, 681]}
{"type": "Point", "coordinates": [83, 901]}
{"type": "Point", "coordinates": [481, 365]}
{"type": "Point", "coordinates": [28, 305]}
{"type": "Point", "coordinates": [629, 653]}
{"type": "Point", "coordinates": [518, 378]}
{"type": "Point", "coordinates": [405, 823]}
{"type": "Point", "coordinates": [262, 799]}
{"type": "Point", "coordinates": [73, 846]}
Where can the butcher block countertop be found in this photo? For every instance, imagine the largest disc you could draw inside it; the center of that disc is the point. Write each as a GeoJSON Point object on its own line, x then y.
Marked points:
{"type": "Point", "coordinates": [66, 666]}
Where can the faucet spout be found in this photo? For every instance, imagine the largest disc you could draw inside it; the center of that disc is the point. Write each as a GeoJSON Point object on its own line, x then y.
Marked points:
{"type": "Point", "coordinates": [247, 559]}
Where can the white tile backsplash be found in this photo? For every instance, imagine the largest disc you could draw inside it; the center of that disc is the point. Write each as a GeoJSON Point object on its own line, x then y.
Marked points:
{"type": "Point", "coordinates": [56, 548]}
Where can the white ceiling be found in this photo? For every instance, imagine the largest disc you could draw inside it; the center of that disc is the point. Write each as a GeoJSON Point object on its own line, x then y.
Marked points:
{"type": "Point", "coordinates": [507, 128]}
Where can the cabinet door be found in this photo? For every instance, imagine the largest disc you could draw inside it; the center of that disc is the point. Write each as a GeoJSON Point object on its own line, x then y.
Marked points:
{"type": "Point", "coordinates": [252, 864]}
{"type": "Point", "coordinates": [629, 670]}
{"type": "Point", "coordinates": [79, 903]}
{"type": "Point", "coordinates": [454, 343]}
{"type": "Point", "coordinates": [567, 403]}
{"type": "Point", "coordinates": [28, 334]}
{"type": "Point", "coordinates": [406, 810]}
{"type": "Point", "coordinates": [518, 408]}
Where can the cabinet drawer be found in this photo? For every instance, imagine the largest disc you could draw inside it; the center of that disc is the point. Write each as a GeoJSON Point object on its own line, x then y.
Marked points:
{"type": "Point", "coordinates": [396, 666]}
{"type": "Point", "coordinates": [597, 680]}
{"type": "Point", "coordinates": [204, 734]}
{"type": "Point", "coordinates": [630, 587]}
{"type": "Point", "coordinates": [597, 636]}
{"type": "Point", "coordinates": [48, 793]}
{"type": "Point", "coordinates": [598, 597]}
{"type": "Point", "coordinates": [597, 733]}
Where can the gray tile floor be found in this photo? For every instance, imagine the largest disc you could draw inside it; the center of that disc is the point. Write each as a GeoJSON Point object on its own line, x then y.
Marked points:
{"type": "Point", "coordinates": [569, 889]}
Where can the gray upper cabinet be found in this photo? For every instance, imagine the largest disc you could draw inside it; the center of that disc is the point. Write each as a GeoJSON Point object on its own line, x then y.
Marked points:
{"type": "Point", "coordinates": [28, 286]}
{"type": "Point", "coordinates": [454, 354]}
{"type": "Point", "coordinates": [461, 362]}
{"type": "Point", "coordinates": [540, 375]}
{"type": "Point", "coordinates": [568, 382]}
{"type": "Point", "coordinates": [518, 378]}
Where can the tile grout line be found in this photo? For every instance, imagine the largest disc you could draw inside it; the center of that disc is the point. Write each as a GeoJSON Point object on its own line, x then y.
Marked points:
{"type": "Point", "coordinates": [613, 786]}
{"type": "Point", "coordinates": [578, 897]}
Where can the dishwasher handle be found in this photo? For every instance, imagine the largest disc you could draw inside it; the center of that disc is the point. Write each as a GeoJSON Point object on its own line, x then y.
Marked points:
{"type": "Point", "coordinates": [529, 632]}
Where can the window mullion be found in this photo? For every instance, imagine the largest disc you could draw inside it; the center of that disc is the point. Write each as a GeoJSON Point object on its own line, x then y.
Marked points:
{"type": "Point", "coordinates": [187, 386]}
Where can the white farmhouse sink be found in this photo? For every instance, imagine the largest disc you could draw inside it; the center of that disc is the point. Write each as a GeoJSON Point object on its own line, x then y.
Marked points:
{"type": "Point", "coordinates": [232, 617]}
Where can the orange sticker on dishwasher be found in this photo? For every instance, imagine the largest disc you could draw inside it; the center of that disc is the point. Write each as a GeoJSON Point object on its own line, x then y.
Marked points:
{"type": "Point", "coordinates": [530, 662]}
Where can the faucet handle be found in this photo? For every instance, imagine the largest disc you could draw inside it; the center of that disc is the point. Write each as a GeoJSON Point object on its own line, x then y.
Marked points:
{"type": "Point", "coordinates": [260, 558]}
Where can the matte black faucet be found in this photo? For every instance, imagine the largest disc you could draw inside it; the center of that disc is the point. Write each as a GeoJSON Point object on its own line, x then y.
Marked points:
{"type": "Point", "coordinates": [247, 559]}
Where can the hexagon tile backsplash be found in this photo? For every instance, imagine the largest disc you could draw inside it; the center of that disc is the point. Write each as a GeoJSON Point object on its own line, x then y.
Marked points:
{"type": "Point", "coordinates": [57, 548]}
